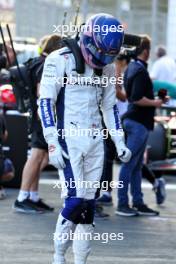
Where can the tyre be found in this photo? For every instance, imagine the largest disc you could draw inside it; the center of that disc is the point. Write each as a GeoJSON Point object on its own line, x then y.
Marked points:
{"type": "Point", "coordinates": [158, 143]}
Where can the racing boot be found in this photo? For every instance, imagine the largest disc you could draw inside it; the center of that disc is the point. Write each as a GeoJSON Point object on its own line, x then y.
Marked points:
{"type": "Point", "coordinates": [81, 243]}
{"type": "Point", "coordinates": [62, 239]}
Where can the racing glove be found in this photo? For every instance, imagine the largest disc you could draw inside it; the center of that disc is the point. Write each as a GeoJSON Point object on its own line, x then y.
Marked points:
{"type": "Point", "coordinates": [56, 154]}
{"type": "Point", "coordinates": [123, 152]}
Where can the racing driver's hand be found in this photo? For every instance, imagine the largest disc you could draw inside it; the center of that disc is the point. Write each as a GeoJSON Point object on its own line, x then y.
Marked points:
{"type": "Point", "coordinates": [124, 154]}
{"type": "Point", "coordinates": [56, 154]}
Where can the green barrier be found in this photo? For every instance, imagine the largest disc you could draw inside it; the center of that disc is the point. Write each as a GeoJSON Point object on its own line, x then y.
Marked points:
{"type": "Point", "coordinates": [170, 87]}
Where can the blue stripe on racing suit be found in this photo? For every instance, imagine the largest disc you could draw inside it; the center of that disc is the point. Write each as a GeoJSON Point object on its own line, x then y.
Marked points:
{"type": "Point", "coordinates": [117, 118]}
{"type": "Point", "coordinates": [68, 172]}
{"type": "Point", "coordinates": [46, 112]}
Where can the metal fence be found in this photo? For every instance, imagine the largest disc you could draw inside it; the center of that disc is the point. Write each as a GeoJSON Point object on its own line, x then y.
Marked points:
{"type": "Point", "coordinates": [36, 18]}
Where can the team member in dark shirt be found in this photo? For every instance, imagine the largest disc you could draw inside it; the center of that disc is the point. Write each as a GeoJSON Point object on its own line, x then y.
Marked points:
{"type": "Point", "coordinates": [137, 122]}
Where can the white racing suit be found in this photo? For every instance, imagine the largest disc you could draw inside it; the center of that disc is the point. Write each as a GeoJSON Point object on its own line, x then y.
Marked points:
{"type": "Point", "coordinates": [77, 108]}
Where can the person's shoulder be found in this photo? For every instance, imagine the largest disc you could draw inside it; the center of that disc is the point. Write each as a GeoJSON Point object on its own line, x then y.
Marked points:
{"type": "Point", "coordinates": [170, 60]}
{"type": "Point", "coordinates": [60, 56]}
{"type": "Point", "coordinates": [60, 52]}
{"type": "Point", "coordinates": [163, 60]}
{"type": "Point", "coordinates": [135, 69]}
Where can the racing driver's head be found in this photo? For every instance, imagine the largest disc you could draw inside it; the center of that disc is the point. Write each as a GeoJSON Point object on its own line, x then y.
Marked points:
{"type": "Point", "coordinates": [101, 40]}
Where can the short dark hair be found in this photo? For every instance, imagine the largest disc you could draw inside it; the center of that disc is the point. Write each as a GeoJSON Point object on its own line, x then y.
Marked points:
{"type": "Point", "coordinates": [145, 44]}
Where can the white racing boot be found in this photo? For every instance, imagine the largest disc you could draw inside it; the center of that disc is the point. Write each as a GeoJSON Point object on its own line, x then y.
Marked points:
{"type": "Point", "coordinates": [81, 243]}
{"type": "Point", "coordinates": [62, 239]}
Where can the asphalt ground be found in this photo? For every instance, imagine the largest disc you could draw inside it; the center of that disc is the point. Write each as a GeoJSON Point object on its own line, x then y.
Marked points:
{"type": "Point", "coordinates": [28, 239]}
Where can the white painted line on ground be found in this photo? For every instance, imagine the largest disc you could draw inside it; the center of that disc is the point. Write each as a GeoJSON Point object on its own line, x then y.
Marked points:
{"type": "Point", "coordinates": [49, 181]}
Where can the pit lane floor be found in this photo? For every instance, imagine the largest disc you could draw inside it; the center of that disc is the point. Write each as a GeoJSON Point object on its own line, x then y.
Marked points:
{"type": "Point", "coordinates": [28, 239]}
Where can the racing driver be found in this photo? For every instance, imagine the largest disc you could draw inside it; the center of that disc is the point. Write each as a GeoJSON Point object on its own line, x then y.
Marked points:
{"type": "Point", "coordinates": [76, 106]}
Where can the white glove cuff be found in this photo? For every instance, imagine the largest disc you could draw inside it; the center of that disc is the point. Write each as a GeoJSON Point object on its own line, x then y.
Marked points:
{"type": "Point", "coordinates": [120, 143]}
{"type": "Point", "coordinates": [50, 134]}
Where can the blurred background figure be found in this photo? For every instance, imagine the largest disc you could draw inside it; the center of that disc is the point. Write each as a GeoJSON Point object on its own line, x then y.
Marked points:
{"type": "Point", "coordinates": [164, 68]}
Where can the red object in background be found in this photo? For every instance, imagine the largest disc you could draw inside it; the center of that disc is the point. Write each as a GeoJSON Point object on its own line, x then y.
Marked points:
{"type": "Point", "coordinates": [6, 94]}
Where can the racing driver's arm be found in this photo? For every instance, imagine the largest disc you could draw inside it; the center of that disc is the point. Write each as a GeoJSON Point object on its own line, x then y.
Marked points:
{"type": "Point", "coordinates": [50, 87]}
{"type": "Point", "coordinates": [112, 119]}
